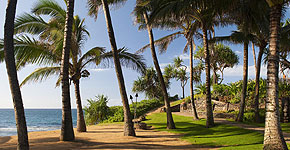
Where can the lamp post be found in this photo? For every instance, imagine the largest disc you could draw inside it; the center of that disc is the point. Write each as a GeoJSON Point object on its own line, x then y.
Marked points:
{"type": "Point", "coordinates": [135, 110]}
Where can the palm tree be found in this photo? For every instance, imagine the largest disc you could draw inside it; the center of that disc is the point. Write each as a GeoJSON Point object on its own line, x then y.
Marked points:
{"type": "Point", "coordinates": [12, 76]}
{"type": "Point", "coordinates": [94, 5]}
{"type": "Point", "coordinates": [206, 13]}
{"type": "Point", "coordinates": [67, 132]}
{"type": "Point", "coordinates": [170, 122]}
{"type": "Point", "coordinates": [273, 137]}
{"type": "Point", "coordinates": [251, 18]}
{"type": "Point", "coordinates": [42, 51]}
{"type": "Point", "coordinates": [180, 73]}
{"type": "Point", "coordinates": [149, 84]}
{"type": "Point", "coordinates": [222, 57]}
{"type": "Point", "coordinates": [187, 28]}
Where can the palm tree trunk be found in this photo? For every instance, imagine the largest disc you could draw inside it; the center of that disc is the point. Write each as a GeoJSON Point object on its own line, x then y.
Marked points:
{"type": "Point", "coordinates": [12, 76]}
{"type": "Point", "coordinates": [81, 124]}
{"type": "Point", "coordinates": [245, 82]}
{"type": "Point", "coordinates": [214, 77]}
{"type": "Point", "coordinates": [170, 122]}
{"type": "Point", "coordinates": [128, 126]}
{"type": "Point", "coordinates": [183, 91]}
{"type": "Point", "coordinates": [257, 84]}
{"type": "Point", "coordinates": [67, 132]}
{"type": "Point", "coordinates": [209, 112]}
{"type": "Point", "coordinates": [195, 116]}
{"type": "Point", "coordinates": [273, 137]}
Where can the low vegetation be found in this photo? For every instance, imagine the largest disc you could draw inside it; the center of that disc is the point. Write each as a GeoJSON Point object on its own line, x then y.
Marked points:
{"type": "Point", "coordinates": [98, 110]}
{"type": "Point", "coordinates": [224, 136]}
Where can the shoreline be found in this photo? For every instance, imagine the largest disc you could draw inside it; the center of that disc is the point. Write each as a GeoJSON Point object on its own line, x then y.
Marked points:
{"type": "Point", "coordinates": [107, 136]}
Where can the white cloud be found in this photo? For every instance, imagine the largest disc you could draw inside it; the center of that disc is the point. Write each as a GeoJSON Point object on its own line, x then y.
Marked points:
{"type": "Point", "coordinates": [238, 52]}
{"type": "Point", "coordinates": [99, 70]}
{"type": "Point", "coordinates": [184, 56]}
{"type": "Point", "coordinates": [237, 71]}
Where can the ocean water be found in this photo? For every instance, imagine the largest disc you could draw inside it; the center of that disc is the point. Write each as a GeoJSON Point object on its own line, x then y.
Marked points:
{"type": "Point", "coordinates": [36, 120]}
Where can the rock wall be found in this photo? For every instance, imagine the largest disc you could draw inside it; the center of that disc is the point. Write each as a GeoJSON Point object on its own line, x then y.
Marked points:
{"type": "Point", "coordinates": [217, 106]}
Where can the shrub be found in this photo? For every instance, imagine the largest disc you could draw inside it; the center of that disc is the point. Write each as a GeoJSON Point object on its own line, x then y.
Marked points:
{"type": "Point", "coordinates": [97, 110]}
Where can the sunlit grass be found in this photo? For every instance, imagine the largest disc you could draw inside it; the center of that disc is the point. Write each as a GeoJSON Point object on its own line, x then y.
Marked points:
{"type": "Point", "coordinates": [223, 136]}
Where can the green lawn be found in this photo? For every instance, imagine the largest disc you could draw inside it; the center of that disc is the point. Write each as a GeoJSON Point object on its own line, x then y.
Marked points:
{"type": "Point", "coordinates": [176, 102]}
{"type": "Point", "coordinates": [224, 136]}
{"type": "Point", "coordinates": [285, 126]}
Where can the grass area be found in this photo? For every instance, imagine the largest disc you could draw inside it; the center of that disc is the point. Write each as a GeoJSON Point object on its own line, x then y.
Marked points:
{"type": "Point", "coordinates": [224, 136]}
{"type": "Point", "coordinates": [176, 102]}
{"type": "Point", "coordinates": [285, 126]}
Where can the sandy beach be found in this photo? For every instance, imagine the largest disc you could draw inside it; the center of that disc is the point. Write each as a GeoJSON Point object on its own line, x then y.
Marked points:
{"type": "Point", "coordinates": [101, 137]}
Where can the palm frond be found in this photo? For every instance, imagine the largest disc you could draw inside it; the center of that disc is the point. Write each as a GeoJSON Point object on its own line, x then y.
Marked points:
{"type": "Point", "coordinates": [49, 7]}
{"type": "Point", "coordinates": [30, 24]}
{"type": "Point", "coordinates": [31, 51]}
{"type": "Point", "coordinates": [91, 56]}
{"type": "Point", "coordinates": [162, 43]}
{"type": "Point", "coordinates": [95, 5]}
{"type": "Point", "coordinates": [41, 74]}
{"type": "Point", "coordinates": [128, 60]}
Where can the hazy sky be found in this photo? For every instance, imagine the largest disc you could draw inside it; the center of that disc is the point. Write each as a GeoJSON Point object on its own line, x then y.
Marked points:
{"type": "Point", "coordinates": [103, 81]}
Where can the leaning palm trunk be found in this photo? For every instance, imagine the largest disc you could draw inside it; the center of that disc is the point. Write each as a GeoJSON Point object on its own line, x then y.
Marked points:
{"type": "Point", "coordinates": [12, 76]}
{"type": "Point", "coordinates": [195, 116]}
{"type": "Point", "coordinates": [209, 112]}
{"type": "Point", "coordinates": [245, 82]}
{"type": "Point", "coordinates": [273, 137]}
{"type": "Point", "coordinates": [257, 84]}
{"type": "Point", "coordinates": [81, 125]}
{"type": "Point", "coordinates": [67, 132]}
{"type": "Point", "coordinates": [170, 122]}
{"type": "Point", "coordinates": [128, 126]}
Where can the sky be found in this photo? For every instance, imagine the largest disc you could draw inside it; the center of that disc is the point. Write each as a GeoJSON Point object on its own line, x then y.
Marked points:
{"type": "Point", "coordinates": [103, 80]}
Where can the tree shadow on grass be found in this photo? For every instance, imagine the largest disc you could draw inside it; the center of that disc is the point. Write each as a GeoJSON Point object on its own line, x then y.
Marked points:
{"type": "Point", "coordinates": [218, 136]}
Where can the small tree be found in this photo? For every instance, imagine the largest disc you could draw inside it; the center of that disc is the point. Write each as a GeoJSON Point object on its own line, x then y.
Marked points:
{"type": "Point", "coordinates": [97, 110]}
{"type": "Point", "coordinates": [149, 84]}
{"type": "Point", "coordinates": [222, 57]}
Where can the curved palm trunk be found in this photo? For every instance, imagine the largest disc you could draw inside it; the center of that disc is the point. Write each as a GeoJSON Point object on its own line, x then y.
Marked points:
{"type": "Point", "coordinates": [245, 82]}
{"type": "Point", "coordinates": [273, 137]}
{"type": "Point", "coordinates": [81, 124]}
{"type": "Point", "coordinates": [170, 122]}
{"type": "Point", "coordinates": [209, 112]}
{"type": "Point", "coordinates": [128, 126]}
{"type": "Point", "coordinates": [13, 78]}
{"type": "Point", "coordinates": [195, 116]}
{"type": "Point", "coordinates": [257, 84]}
{"type": "Point", "coordinates": [67, 132]}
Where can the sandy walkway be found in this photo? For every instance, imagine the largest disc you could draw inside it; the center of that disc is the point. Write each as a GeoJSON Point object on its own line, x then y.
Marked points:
{"type": "Point", "coordinates": [102, 137]}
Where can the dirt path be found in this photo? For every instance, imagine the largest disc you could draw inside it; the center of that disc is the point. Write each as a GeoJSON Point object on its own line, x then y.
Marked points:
{"type": "Point", "coordinates": [102, 137]}
{"type": "Point", "coordinates": [240, 125]}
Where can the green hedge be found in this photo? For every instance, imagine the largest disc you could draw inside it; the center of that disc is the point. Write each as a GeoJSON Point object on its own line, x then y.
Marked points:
{"type": "Point", "coordinates": [143, 107]}
{"type": "Point", "coordinates": [116, 113]}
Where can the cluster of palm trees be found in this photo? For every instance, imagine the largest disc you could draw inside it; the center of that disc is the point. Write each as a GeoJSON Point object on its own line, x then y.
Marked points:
{"type": "Point", "coordinates": [258, 21]}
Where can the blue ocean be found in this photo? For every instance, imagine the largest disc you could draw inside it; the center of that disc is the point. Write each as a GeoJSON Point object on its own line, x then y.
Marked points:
{"type": "Point", "coordinates": [36, 119]}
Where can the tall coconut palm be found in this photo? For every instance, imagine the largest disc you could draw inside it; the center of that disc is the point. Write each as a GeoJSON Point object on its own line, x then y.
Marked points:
{"type": "Point", "coordinates": [187, 28]}
{"type": "Point", "coordinates": [51, 38]}
{"type": "Point", "coordinates": [142, 12]}
{"type": "Point", "coordinates": [94, 5]}
{"type": "Point", "coordinates": [67, 132]}
{"type": "Point", "coordinates": [44, 53]}
{"type": "Point", "coordinates": [205, 13]}
{"type": "Point", "coordinates": [273, 137]}
{"type": "Point", "coordinates": [22, 143]}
